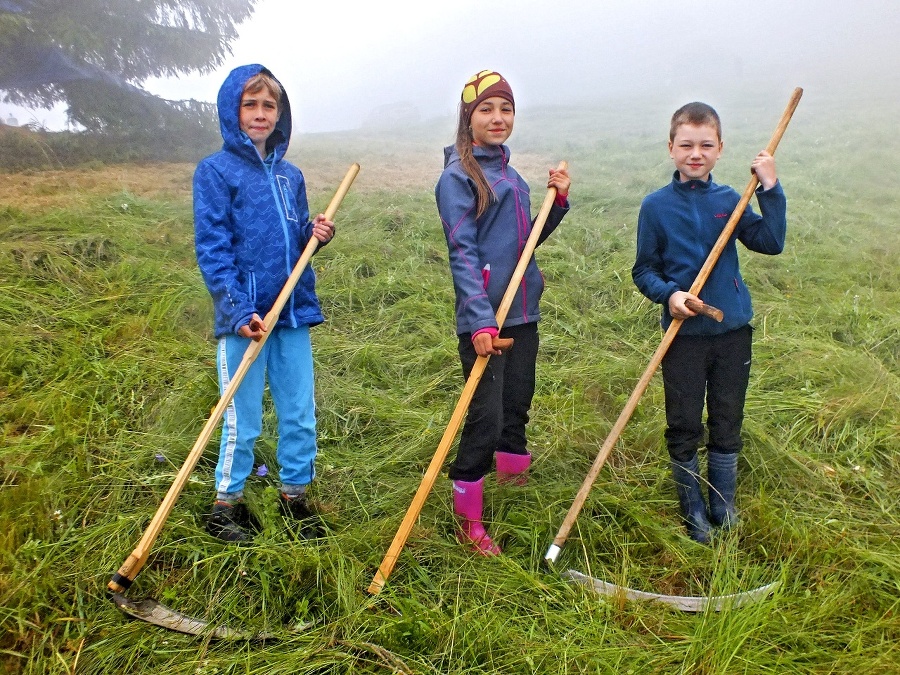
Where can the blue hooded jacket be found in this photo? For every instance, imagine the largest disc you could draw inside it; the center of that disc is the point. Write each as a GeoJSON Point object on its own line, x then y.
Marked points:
{"type": "Point", "coordinates": [678, 226]}
{"type": "Point", "coordinates": [251, 220]}
{"type": "Point", "coordinates": [484, 252]}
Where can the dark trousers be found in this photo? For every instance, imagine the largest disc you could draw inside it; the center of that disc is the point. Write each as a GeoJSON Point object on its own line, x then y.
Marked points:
{"type": "Point", "coordinates": [499, 410]}
{"type": "Point", "coordinates": [714, 367]}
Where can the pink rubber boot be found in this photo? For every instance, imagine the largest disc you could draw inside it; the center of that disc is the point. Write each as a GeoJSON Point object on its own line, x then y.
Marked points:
{"type": "Point", "coordinates": [468, 501]}
{"type": "Point", "coordinates": [512, 469]}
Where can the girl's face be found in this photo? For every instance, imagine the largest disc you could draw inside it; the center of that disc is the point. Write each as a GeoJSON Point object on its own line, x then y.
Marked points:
{"type": "Point", "coordinates": [492, 121]}
{"type": "Point", "coordinates": [695, 150]}
{"type": "Point", "coordinates": [258, 115]}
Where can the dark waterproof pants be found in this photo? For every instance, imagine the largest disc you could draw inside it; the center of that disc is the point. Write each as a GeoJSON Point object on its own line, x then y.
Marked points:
{"type": "Point", "coordinates": [711, 367]}
{"type": "Point", "coordinates": [499, 410]}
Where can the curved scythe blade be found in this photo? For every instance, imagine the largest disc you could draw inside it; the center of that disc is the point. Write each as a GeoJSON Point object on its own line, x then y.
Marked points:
{"type": "Point", "coordinates": [684, 603]}
{"type": "Point", "coordinates": [151, 611]}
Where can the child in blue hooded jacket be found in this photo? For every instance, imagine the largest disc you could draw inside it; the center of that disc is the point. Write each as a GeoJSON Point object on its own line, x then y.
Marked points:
{"type": "Point", "coordinates": [251, 220]}
{"type": "Point", "coordinates": [485, 210]}
{"type": "Point", "coordinates": [707, 361]}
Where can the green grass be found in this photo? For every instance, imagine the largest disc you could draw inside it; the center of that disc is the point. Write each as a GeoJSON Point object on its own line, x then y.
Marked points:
{"type": "Point", "coordinates": [107, 376]}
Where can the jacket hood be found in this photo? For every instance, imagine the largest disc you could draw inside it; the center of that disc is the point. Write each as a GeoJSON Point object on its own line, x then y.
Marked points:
{"type": "Point", "coordinates": [480, 151]}
{"type": "Point", "coordinates": [228, 104]}
{"type": "Point", "coordinates": [450, 155]}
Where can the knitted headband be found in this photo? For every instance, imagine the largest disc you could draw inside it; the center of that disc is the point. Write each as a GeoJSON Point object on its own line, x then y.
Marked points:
{"type": "Point", "coordinates": [484, 85]}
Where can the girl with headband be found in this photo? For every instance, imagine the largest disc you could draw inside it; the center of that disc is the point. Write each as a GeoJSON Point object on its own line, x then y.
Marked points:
{"type": "Point", "coordinates": [485, 209]}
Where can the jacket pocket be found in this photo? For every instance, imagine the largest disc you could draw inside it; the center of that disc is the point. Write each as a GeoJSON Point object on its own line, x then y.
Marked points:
{"type": "Point", "coordinates": [743, 297]}
{"type": "Point", "coordinates": [287, 198]}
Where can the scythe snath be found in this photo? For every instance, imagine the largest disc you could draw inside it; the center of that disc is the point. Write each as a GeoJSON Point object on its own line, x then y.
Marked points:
{"type": "Point", "coordinates": [150, 610]}
{"type": "Point", "coordinates": [618, 427]}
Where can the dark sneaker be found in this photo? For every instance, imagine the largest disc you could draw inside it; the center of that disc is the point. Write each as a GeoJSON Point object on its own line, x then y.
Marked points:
{"type": "Point", "coordinates": [229, 522]}
{"type": "Point", "coordinates": [305, 522]}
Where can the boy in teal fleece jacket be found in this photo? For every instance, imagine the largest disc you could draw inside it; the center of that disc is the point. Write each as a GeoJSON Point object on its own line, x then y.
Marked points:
{"type": "Point", "coordinates": [707, 361]}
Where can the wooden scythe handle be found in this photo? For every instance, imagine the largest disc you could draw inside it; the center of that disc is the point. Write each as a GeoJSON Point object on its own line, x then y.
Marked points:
{"type": "Point", "coordinates": [415, 508]}
{"type": "Point", "coordinates": [704, 309]}
{"type": "Point", "coordinates": [669, 335]}
{"type": "Point", "coordinates": [503, 343]}
{"type": "Point", "coordinates": [122, 579]}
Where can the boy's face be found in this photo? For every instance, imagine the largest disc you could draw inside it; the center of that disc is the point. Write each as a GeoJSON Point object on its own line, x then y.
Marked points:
{"type": "Point", "coordinates": [695, 150]}
{"type": "Point", "coordinates": [258, 115]}
{"type": "Point", "coordinates": [492, 121]}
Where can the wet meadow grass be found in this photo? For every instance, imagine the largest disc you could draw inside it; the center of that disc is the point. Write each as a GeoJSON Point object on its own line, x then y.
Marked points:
{"type": "Point", "coordinates": [107, 376]}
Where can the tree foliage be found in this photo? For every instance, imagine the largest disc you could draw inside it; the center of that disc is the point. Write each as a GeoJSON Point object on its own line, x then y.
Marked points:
{"type": "Point", "coordinates": [94, 54]}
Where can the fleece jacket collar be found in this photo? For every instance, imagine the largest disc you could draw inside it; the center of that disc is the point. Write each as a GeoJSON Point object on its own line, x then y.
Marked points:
{"type": "Point", "coordinates": [491, 153]}
{"type": "Point", "coordinates": [689, 185]}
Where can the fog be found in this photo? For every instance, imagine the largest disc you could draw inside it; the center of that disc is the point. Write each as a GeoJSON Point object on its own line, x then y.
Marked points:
{"type": "Point", "coordinates": [343, 61]}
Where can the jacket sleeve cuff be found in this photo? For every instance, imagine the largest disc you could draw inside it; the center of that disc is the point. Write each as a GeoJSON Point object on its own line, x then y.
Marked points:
{"type": "Point", "coordinates": [775, 189]}
{"type": "Point", "coordinates": [243, 321]}
{"type": "Point", "coordinates": [490, 330]}
{"type": "Point", "coordinates": [671, 289]}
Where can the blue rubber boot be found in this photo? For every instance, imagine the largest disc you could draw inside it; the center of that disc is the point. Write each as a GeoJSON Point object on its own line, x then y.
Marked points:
{"type": "Point", "coordinates": [690, 497]}
{"type": "Point", "coordinates": [722, 474]}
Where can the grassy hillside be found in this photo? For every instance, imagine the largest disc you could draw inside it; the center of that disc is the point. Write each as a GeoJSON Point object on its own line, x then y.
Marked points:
{"type": "Point", "coordinates": [107, 376]}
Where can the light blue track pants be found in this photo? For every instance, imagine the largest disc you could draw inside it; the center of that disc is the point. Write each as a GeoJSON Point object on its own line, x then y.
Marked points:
{"type": "Point", "coordinates": [286, 360]}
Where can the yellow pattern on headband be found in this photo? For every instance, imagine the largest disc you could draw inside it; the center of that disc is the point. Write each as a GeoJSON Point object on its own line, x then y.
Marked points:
{"type": "Point", "coordinates": [478, 83]}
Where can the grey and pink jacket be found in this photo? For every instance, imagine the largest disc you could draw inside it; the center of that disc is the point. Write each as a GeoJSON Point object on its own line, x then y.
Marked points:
{"type": "Point", "coordinates": [484, 251]}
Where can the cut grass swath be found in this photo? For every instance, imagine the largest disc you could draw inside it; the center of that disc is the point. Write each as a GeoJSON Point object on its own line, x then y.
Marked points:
{"type": "Point", "coordinates": [605, 588]}
{"type": "Point", "coordinates": [412, 513]}
{"type": "Point", "coordinates": [150, 610]}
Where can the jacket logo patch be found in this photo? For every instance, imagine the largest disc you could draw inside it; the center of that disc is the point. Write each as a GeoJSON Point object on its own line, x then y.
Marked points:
{"type": "Point", "coordinates": [284, 189]}
{"type": "Point", "coordinates": [721, 215]}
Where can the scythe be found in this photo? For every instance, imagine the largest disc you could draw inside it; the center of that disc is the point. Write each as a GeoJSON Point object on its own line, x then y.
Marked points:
{"type": "Point", "coordinates": [687, 604]}
{"type": "Point", "coordinates": [150, 610]}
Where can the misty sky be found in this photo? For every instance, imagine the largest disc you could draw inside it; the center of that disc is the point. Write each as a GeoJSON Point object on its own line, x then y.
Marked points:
{"type": "Point", "coordinates": [340, 59]}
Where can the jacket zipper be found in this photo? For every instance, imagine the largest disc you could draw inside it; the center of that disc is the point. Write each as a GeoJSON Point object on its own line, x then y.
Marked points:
{"type": "Point", "coordinates": [273, 184]}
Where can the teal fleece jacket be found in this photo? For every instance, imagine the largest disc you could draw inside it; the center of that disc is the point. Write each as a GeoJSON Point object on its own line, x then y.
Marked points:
{"type": "Point", "coordinates": [678, 226]}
